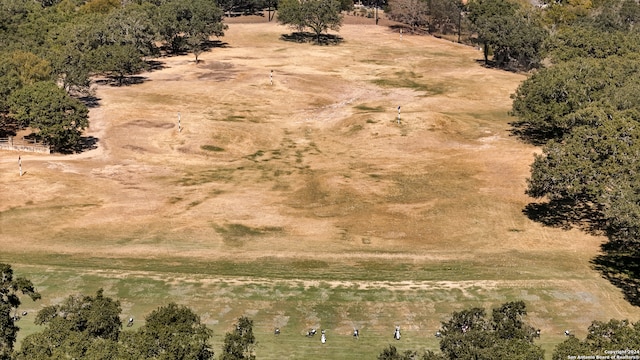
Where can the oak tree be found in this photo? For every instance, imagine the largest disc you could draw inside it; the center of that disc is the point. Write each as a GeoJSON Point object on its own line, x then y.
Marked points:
{"type": "Point", "coordinates": [10, 289]}
{"type": "Point", "coordinates": [55, 116]}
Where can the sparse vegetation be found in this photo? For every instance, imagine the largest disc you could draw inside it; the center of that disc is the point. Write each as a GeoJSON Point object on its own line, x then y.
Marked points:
{"type": "Point", "coordinates": [211, 148]}
{"type": "Point", "coordinates": [368, 229]}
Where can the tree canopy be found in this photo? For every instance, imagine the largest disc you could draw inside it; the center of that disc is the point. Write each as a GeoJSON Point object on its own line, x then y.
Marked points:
{"type": "Point", "coordinates": [514, 33]}
{"type": "Point", "coordinates": [172, 331]}
{"type": "Point", "coordinates": [469, 334]}
{"type": "Point", "coordinates": [612, 339]}
{"type": "Point", "coordinates": [583, 110]}
{"type": "Point", "coordinates": [239, 344]}
{"type": "Point", "coordinates": [317, 15]}
{"type": "Point", "coordinates": [49, 43]}
{"type": "Point", "coordinates": [10, 289]}
{"type": "Point", "coordinates": [414, 13]}
{"type": "Point", "coordinates": [58, 118]}
{"type": "Point", "coordinates": [89, 327]}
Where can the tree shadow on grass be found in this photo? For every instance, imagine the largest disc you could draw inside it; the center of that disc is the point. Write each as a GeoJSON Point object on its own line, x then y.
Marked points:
{"type": "Point", "coordinates": [88, 143]}
{"type": "Point", "coordinates": [307, 37]}
{"type": "Point", "coordinates": [619, 262]}
{"type": "Point", "coordinates": [115, 80]}
{"type": "Point", "coordinates": [90, 101]}
{"type": "Point", "coordinates": [621, 267]}
{"type": "Point", "coordinates": [566, 215]}
{"type": "Point", "coordinates": [85, 143]}
{"type": "Point", "coordinates": [153, 65]}
{"type": "Point", "coordinates": [532, 134]}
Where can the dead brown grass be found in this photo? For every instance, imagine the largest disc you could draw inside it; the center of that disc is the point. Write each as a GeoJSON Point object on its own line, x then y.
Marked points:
{"type": "Point", "coordinates": [318, 156]}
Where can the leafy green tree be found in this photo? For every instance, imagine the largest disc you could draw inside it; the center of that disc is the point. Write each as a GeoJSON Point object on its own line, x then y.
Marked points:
{"type": "Point", "coordinates": [466, 335]}
{"type": "Point", "coordinates": [317, 15]}
{"type": "Point", "coordinates": [206, 21]}
{"type": "Point", "coordinates": [593, 168]}
{"type": "Point", "coordinates": [570, 347]}
{"type": "Point", "coordinates": [508, 322]}
{"type": "Point", "coordinates": [100, 6]}
{"type": "Point", "coordinates": [240, 343]}
{"type": "Point", "coordinates": [132, 25]}
{"type": "Point", "coordinates": [170, 332]}
{"type": "Point", "coordinates": [57, 118]}
{"type": "Point", "coordinates": [445, 14]}
{"type": "Point", "coordinates": [561, 13]}
{"type": "Point", "coordinates": [14, 17]}
{"type": "Point", "coordinates": [469, 335]}
{"type": "Point", "coordinates": [117, 61]}
{"type": "Point", "coordinates": [513, 33]}
{"type": "Point", "coordinates": [602, 336]}
{"type": "Point", "coordinates": [290, 12]}
{"type": "Point", "coordinates": [585, 41]}
{"type": "Point", "coordinates": [555, 100]}
{"type": "Point", "coordinates": [98, 316]}
{"type": "Point", "coordinates": [177, 20]}
{"type": "Point", "coordinates": [10, 288]}
{"type": "Point", "coordinates": [81, 327]}
{"type": "Point", "coordinates": [71, 47]}
{"type": "Point", "coordinates": [20, 68]}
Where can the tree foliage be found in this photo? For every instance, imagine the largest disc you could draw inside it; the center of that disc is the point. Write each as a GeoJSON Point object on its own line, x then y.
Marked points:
{"type": "Point", "coordinates": [81, 327]}
{"type": "Point", "coordinates": [67, 42]}
{"type": "Point", "coordinates": [117, 61]}
{"type": "Point", "coordinates": [469, 334]}
{"type": "Point", "coordinates": [89, 327]}
{"type": "Point", "coordinates": [555, 100]}
{"type": "Point", "coordinates": [445, 15]}
{"type": "Point", "coordinates": [58, 118]}
{"type": "Point", "coordinates": [172, 331]}
{"type": "Point", "coordinates": [18, 69]}
{"type": "Point", "coordinates": [414, 13]}
{"type": "Point", "coordinates": [602, 339]}
{"type": "Point", "coordinates": [239, 344]}
{"type": "Point", "coordinates": [594, 168]}
{"type": "Point", "coordinates": [513, 32]}
{"type": "Point", "coordinates": [178, 20]}
{"type": "Point", "coordinates": [317, 15]}
{"type": "Point", "coordinates": [584, 110]}
{"type": "Point", "coordinates": [10, 290]}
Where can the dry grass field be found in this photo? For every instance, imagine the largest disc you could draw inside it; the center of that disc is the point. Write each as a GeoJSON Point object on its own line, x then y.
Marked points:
{"type": "Point", "coordinates": [304, 203]}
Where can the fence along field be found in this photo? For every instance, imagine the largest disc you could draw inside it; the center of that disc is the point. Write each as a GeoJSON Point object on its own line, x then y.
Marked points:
{"type": "Point", "coordinates": [26, 145]}
{"type": "Point", "coordinates": [304, 203]}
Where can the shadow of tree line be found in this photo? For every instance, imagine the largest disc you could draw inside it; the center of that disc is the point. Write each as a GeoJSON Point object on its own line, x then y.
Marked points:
{"type": "Point", "coordinates": [308, 37]}
{"type": "Point", "coordinates": [619, 261]}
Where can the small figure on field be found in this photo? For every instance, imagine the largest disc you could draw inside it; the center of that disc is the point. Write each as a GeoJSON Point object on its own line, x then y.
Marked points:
{"type": "Point", "coordinates": [323, 338]}
{"type": "Point", "coordinates": [396, 334]}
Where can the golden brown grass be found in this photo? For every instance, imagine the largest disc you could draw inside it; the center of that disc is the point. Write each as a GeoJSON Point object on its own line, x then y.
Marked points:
{"type": "Point", "coordinates": [271, 187]}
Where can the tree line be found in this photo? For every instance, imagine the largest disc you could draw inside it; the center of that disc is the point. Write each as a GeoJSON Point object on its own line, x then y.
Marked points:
{"type": "Point", "coordinates": [50, 49]}
{"type": "Point", "coordinates": [511, 33]}
{"type": "Point", "coordinates": [583, 109]}
{"type": "Point", "coordinates": [90, 327]}
{"type": "Point", "coordinates": [581, 104]}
